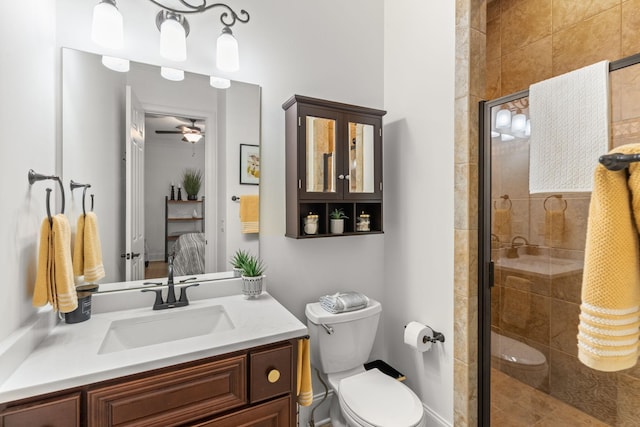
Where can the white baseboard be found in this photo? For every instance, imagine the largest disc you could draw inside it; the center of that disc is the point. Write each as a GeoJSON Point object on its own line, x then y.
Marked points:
{"type": "Point", "coordinates": [320, 415]}
{"type": "Point", "coordinates": [433, 419]}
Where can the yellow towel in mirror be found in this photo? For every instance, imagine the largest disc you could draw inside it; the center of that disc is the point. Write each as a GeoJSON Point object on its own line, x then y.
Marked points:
{"type": "Point", "coordinates": [305, 390]}
{"type": "Point", "coordinates": [250, 214]}
{"type": "Point", "coordinates": [87, 253]}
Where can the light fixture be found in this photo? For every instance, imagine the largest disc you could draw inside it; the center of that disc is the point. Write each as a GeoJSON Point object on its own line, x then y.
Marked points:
{"type": "Point", "coordinates": [503, 119]}
{"type": "Point", "coordinates": [227, 56]}
{"type": "Point", "coordinates": [494, 134]}
{"type": "Point", "coordinates": [507, 137]}
{"type": "Point", "coordinates": [518, 123]}
{"type": "Point", "coordinates": [172, 74]}
{"type": "Point", "coordinates": [192, 137]}
{"type": "Point", "coordinates": [527, 128]}
{"type": "Point", "coordinates": [106, 28]}
{"type": "Point", "coordinates": [174, 29]}
{"type": "Point", "coordinates": [219, 82]}
{"type": "Point", "coordinates": [116, 64]}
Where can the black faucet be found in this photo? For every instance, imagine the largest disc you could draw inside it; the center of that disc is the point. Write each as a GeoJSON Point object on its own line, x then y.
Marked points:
{"type": "Point", "coordinates": [159, 303]}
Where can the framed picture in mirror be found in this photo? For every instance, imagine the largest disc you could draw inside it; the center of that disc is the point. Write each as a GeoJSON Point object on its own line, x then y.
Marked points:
{"type": "Point", "coordinates": [249, 164]}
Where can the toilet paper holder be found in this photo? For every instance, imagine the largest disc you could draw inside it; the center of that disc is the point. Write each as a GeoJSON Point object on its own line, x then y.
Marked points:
{"type": "Point", "coordinates": [437, 336]}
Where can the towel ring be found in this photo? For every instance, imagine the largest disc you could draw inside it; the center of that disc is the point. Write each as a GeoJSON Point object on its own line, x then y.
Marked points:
{"type": "Point", "coordinates": [556, 196]}
{"type": "Point", "coordinates": [75, 185]}
{"type": "Point", "coordinates": [506, 199]}
{"type": "Point", "coordinates": [33, 177]}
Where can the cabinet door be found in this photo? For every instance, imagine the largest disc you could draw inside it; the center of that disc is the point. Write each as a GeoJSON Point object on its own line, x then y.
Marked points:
{"type": "Point", "coordinates": [276, 413]}
{"type": "Point", "coordinates": [363, 158]}
{"type": "Point", "coordinates": [57, 412]}
{"type": "Point", "coordinates": [320, 159]}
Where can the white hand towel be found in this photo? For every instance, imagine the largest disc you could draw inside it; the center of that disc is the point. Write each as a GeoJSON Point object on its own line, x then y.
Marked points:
{"type": "Point", "coordinates": [344, 301]}
{"type": "Point", "coordinates": [569, 129]}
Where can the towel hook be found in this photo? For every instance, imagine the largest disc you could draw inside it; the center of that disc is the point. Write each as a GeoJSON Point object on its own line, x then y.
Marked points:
{"type": "Point", "coordinates": [33, 177]}
{"type": "Point", "coordinates": [556, 196]}
{"type": "Point", "coordinates": [618, 161]}
{"type": "Point", "coordinates": [75, 185]}
{"type": "Point", "coordinates": [506, 199]}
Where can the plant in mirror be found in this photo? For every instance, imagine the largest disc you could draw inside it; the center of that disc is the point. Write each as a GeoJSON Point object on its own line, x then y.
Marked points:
{"type": "Point", "coordinates": [109, 122]}
{"type": "Point", "coordinates": [191, 181]}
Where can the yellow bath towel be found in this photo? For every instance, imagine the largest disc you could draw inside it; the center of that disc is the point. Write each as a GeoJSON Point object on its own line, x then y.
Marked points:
{"type": "Point", "coordinates": [54, 277]}
{"type": "Point", "coordinates": [610, 309]}
{"type": "Point", "coordinates": [553, 228]}
{"type": "Point", "coordinates": [93, 268]}
{"type": "Point", "coordinates": [305, 390]}
{"type": "Point", "coordinates": [78, 249]}
{"type": "Point", "coordinates": [250, 214]}
{"type": "Point", "coordinates": [502, 224]}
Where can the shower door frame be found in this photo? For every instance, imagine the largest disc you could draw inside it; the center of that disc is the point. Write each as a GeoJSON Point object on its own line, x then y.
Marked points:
{"type": "Point", "coordinates": [485, 264]}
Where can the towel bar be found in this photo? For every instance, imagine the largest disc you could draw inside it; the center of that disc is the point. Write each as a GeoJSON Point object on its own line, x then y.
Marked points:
{"type": "Point", "coordinates": [616, 161]}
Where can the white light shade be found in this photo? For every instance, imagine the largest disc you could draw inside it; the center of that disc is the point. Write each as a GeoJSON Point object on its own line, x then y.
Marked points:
{"type": "Point", "coordinates": [173, 40]}
{"type": "Point", "coordinates": [527, 128]}
{"type": "Point", "coordinates": [507, 137]}
{"type": "Point", "coordinates": [106, 28]}
{"type": "Point", "coordinates": [172, 74]}
{"type": "Point", "coordinates": [219, 82]}
{"type": "Point", "coordinates": [227, 57]}
{"type": "Point", "coordinates": [503, 119]}
{"type": "Point", "coordinates": [192, 137]}
{"type": "Point", "coordinates": [494, 134]}
{"type": "Point", "coordinates": [116, 64]}
{"type": "Point", "coordinates": [518, 123]}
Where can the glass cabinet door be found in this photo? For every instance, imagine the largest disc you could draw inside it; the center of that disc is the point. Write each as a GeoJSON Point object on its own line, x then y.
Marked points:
{"type": "Point", "coordinates": [321, 155]}
{"type": "Point", "coordinates": [361, 178]}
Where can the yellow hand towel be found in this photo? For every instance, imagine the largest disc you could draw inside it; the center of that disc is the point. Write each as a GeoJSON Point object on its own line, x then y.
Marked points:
{"type": "Point", "coordinates": [93, 268]}
{"type": "Point", "coordinates": [553, 228]}
{"type": "Point", "coordinates": [305, 390]}
{"type": "Point", "coordinates": [610, 309]}
{"type": "Point", "coordinates": [250, 214]}
{"type": "Point", "coordinates": [64, 290]}
{"type": "Point", "coordinates": [502, 224]}
{"type": "Point", "coordinates": [78, 249]}
{"type": "Point", "coordinates": [42, 287]}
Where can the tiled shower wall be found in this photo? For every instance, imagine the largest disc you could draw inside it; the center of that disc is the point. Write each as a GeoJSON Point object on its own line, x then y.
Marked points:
{"type": "Point", "coordinates": [529, 41]}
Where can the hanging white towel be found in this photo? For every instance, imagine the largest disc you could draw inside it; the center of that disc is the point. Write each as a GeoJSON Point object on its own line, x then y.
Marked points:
{"type": "Point", "coordinates": [569, 129]}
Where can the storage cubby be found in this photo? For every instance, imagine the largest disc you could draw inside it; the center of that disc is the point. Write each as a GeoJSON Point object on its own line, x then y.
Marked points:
{"type": "Point", "coordinates": [375, 215]}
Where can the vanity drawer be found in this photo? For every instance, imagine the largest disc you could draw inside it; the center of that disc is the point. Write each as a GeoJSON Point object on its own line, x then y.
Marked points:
{"type": "Point", "coordinates": [276, 413]}
{"type": "Point", "coordinates": [171, 398]}
{"type": "Point", "coordinates": [271, 372]}
{"type": "Point", "coordinates": [58, 412]}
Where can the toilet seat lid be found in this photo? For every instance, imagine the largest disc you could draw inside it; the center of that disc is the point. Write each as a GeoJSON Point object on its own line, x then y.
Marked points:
{"type": "Point", "coordinates": [379, 400]}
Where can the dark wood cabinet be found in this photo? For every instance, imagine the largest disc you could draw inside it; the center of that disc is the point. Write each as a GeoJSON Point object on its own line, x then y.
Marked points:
{"type": "Point", "coordinates": [333, 161]}
{"type": "Point", "coordinates": [254, 387]}
{"type": "Point", "coordinates": [62, 411]}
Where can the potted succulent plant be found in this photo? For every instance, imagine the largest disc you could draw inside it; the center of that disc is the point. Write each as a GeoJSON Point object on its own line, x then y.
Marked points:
{"type": "Point", "coordinates": [252, 277]}
{"type": "Point", "coordinates": [191, 181]}
{"type": "Point", "coordinates": [238, 260]}
{"type": "Point", "coordinates": [337, 217]}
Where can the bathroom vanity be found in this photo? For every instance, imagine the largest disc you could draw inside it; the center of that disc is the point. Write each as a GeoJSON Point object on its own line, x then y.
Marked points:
{"type": "Point", "coordinates": [238, 370]}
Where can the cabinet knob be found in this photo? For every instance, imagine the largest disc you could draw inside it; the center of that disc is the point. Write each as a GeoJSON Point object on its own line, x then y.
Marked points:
{"type": "Point", "coordinates": [273, 376]}
{"type": "Point", "coordinates": [340, 176]}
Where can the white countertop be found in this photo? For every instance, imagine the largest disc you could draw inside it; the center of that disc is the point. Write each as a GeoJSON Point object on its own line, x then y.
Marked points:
{"type": "Point", "coordinates": [68, 356]}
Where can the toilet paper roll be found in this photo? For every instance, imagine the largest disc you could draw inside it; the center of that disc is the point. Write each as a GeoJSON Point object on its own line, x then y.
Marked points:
{"type": "Point", "coordinates": [417, 336]}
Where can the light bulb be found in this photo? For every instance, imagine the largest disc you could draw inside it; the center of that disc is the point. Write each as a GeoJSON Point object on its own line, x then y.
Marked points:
{"type": "Point", "coordinates": [116, 64]}
{"type": "Point", "coordinates": [173, 39]}
{"type": "Point", "coordinates": [107, 27]}
{"type": "Point", "coordinates": [503, 119]}
{"type": "Point", "coordinates": [527, 128]}
{"type": "Point", "coordinates": [172, 74]}
{"type": "Point", "coordinates": [219, 82]}
{"type": "Point", "coordinates": [506, 137]}
{"type": "Point", "coordinates": [227, 56]}
{"type": "Point", "coordinates": [518, 123]}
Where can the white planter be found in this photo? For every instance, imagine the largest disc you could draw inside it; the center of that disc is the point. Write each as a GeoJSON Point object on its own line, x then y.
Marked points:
{"type": "Point", "coordinates": [252, 286]}
{"type": "Point", "coordinates": [337, 226]}
{"type": "Point", "coordinates": [237, 271]}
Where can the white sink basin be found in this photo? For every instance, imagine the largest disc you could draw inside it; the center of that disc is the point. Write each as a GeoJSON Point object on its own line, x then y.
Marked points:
{"type": "Point", "coordinates": [161, 327]}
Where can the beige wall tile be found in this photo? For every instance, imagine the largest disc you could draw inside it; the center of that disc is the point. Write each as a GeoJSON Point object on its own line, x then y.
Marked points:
{"type": "Point", "coordinates": [466, 196]}
{"type": "Point", "coordinates": [525, 314]}
{"type": "Point", "coordinates": [625, 93]}
{"type": "Point", "coordinates": [478, 15]}
{"type": "Point", "coordinates": [630, 25]}
{"type": "Point", "coordinates": [466, 263]}
{"type": "Point", "coordinates": [564, 326]}
{"type": "Point", "coordinates": [494, 50]}
{"type": "Point", "coordinates": [524, 23]}
{"type": "Point", "coordinates": [478, 63]}
{"type": "Point", "coordinates": [494, 73]}
{"type": "Point", "coordinates": [570, 12]}
{"type": "Point", "coordinates": [493, 10]}
{"type": "Point", "coordinates": [525, 66]}
{"type": "Point", "coordinates": [465, 329]}
{"type": "Point", "coordinates": [589, 41]}
{"type": "Point", "coordinates": [462, 62]}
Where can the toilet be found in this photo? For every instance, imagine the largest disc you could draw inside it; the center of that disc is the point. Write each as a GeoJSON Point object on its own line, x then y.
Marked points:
{"type": "Point", "coordinates": [340, 345]}
{"type": "Point", "coordinates": [518, 360]}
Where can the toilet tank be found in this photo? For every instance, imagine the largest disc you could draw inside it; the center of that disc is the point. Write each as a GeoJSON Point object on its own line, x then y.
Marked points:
{"type": "Point", "coordinates": [350, 343]}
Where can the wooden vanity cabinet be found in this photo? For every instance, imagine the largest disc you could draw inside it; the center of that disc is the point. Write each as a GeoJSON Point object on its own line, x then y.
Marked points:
{"type": "Point", "coordinates": [254, 387]}
{"type": "Point", "coordinates": [333, 161]}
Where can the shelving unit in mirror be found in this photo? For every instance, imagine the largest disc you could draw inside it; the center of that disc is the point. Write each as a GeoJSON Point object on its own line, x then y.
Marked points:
{"type": "Point", "coordinates": [334, 161]}
{"type": "Point", "coordinates": [180, 217]}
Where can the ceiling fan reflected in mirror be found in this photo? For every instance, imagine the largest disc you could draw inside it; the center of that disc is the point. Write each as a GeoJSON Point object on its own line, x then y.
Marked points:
{"type": "Point", "coordinates": [190, 133]}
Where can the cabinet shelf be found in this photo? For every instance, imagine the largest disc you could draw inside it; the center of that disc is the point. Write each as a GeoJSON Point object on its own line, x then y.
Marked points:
{"type": "Point", "coordinates": [334, 161]}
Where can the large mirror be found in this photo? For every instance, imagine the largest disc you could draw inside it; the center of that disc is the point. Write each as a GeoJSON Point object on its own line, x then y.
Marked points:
{"type": "Point", "coordinates": [103, 111]}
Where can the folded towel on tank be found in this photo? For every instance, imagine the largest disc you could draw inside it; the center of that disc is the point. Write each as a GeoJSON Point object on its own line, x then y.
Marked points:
{"type": "Point", "coordinates": [344, 301]}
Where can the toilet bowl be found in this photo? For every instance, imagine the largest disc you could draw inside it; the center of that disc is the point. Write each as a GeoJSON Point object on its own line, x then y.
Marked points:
{"type": "Point", "coordinates": [519, 360]}
{"type": "Point", "coordinates": [340, 345]}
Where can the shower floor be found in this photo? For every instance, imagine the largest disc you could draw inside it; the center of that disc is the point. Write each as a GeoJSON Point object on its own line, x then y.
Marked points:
{"type": "Point", "coordinates": [515, 404]}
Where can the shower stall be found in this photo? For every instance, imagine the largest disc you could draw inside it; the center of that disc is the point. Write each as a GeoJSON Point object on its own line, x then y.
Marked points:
{"type": "Point", "coordinates": [531, 257]}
